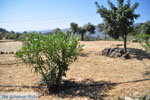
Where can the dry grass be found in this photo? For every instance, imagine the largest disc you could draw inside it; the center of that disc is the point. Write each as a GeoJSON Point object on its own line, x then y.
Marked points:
{"type": "Point", "coordinates": [91, 68]}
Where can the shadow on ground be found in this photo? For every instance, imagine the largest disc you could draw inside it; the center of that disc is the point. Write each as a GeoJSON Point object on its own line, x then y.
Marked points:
{"type": "Point", "coordinates": [96, 90]}
{"type": "Point", "coordinates": [86, 88]}
{"type": "Point", "coordinates": [89, 53]}
{"type": "Point", "coordinates": [138, 53]}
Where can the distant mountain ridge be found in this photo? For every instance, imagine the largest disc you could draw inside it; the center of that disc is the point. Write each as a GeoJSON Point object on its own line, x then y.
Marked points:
{"type": "Point", "coordinates": [68, 29]}
{"type": "Point", "coordinates": [97, 33]}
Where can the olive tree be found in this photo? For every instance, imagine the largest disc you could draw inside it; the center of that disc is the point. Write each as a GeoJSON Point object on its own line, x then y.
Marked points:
{"type": "Point", "coordinates": [56, 30]}
{"type": "Point", "coordinates": [101, 28]}
{"type": "Point", "coordinates": [118, 20]}
{"type": "Point", "coordinates": [81, 31]}
{"type": "Point", "coordinates": [90, 28]}
{"type": "Point", "coordinates": [74, 27]}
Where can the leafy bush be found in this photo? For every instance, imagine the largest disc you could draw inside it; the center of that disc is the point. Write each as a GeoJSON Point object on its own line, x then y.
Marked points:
{"type": "Point", "coordinates": [50, 55]}
{"type": "Point", "coordinates": [144, 40]}
{"type": "Point", "coordinates": [1, 37]}
{"type": "Point", "coordinates": [144, 36]}
{"type": "Point", "coordinates": [23, 37]}
{"type": "Point", "coordinates": [11, 36]}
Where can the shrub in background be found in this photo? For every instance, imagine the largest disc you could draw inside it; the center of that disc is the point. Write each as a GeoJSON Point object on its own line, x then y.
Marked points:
{"type": "Point", "coordinates": [1, 37]}
{"type": "Point", "coordinates": [144, 40]}
{"type": "Point", "coordinates": [144, 36]}
{"type": "Point", "coordinates": [50, 55]}
{"type": "Point", "coordinates": [11, 36]}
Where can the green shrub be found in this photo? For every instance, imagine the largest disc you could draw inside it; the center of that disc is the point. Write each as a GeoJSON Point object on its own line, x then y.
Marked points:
{"type": "Point", "coordinates": [23, 37]}
{"type": "Point", "coordinates": [1, 37]}
{"type": "Point", "coordinates": [10, 36]}
{"type": "Point", "coordinates": [144, 40]}
{"type": "Point", "coordinates": [144, 36]}
{"type": "Point", "coordinates": [50, 55]}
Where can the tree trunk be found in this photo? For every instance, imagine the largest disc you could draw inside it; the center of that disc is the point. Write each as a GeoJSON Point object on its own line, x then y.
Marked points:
{"type": "Point", "coordinates": [105, 36]}
{"type": "Point", "coordinates": [125, 42]}
{"type": "Point", "coordinates": [89, 37]}
{"type": "Point", "coordinates": [82, 37]}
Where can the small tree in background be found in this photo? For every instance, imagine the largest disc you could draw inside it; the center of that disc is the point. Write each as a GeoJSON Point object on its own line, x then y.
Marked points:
{"type": "Point", "coordinates": [74, 27]}
{"type": "Point", "coordinates": [3, 32]}
{"type": "Point", "coordinates": [118, 20]}
{"type": "Point", "coordinates": [90, 28]}
{"type": "Point", "coordinates": [57, 30]}
{"type": "Point", "coordinates": [136, 29]}
{"type": "Point", "coordinates": [101, 28]}
{"type": "Point", "coordinates": [68, 33]}
{"type": "Point", "coordinates": [81, 31]}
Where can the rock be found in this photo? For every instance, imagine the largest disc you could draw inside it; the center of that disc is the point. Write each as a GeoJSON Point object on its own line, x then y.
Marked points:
{"type": "Point", "coordinates": [11, 52]}
{"type": "Point", "coordinates": [112, 54]}
{"type": "Point", "coordinates": [126, 55]}
{"type": "Point", "coordinates": [106, 51]}
{"type": "Point", "coordinates": [111, 51]}
{"type": "Point", "coordinates": [134, 40]}
{"type": "Point", "coordinates": [119, 45]}
{"type": "Point", "coordinates": [115, 53]}
{"type": "Point", "coordinates": [2, 52]}
{"type": "Point", "coordinates": [128, 98]}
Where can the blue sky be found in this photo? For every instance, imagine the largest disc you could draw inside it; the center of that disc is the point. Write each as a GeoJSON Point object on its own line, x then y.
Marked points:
{"type": "Point", "coordinates": [25, 15]}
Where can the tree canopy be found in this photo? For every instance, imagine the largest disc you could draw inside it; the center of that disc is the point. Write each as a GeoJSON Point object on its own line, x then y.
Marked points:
{"type": "Point", "coordinates": [82, 30]}
{"type": "Point", "coordinates": [57, 30]}
{"type": "Point", "coordinates": [146, 28]}
{"type": "Point", "coordinates": [101, 28]}
{"type": "Point", "coordinates": [90, 28]}
{"type": "Point", "coordinates": [118, 20]}
{"type": "Point", "coordinates": [74, 27]}
{"type": "Point", "coordinates": [144, 36]}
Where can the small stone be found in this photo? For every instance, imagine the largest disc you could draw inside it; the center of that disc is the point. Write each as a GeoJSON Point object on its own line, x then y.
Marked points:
{"type": "Point", "coordinates": [119, 45]}
{"type": "Point", "coordinates": [134, 40]}
{"type": "Point", "coordinates": [2, 52]}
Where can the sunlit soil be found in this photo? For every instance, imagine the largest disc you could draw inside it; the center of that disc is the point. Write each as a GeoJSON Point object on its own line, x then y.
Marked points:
{"type": "Point", "coordinates": [119, 77]}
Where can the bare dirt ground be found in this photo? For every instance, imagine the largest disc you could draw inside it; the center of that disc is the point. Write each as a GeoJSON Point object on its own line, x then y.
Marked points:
{"type": "Point", "coordinates": [119, 77]}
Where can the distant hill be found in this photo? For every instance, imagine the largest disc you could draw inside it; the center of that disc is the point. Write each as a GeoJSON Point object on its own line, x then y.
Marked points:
{"type": "Point", "coordinates": [93, 35]}
{"type": "Point", "coordinates": [68, 29]}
